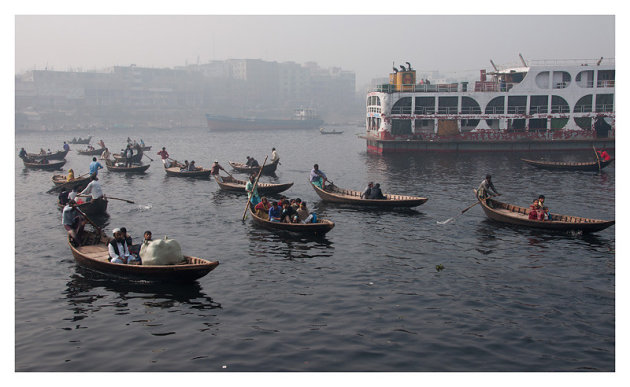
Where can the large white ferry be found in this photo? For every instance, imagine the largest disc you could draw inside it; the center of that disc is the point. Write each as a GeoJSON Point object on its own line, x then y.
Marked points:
{"type": "Point", "coordinates": [541, 105]}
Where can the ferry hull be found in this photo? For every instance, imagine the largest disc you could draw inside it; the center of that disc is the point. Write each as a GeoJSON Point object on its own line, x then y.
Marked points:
{"type": "Point", "coordinates": [221, 123]}
{"type": "Point", "coordinates": [379, 146]}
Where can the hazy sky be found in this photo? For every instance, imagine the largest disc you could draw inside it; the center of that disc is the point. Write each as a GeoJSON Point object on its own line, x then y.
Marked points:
{"type": "Point", "coordinates": [366, 45]}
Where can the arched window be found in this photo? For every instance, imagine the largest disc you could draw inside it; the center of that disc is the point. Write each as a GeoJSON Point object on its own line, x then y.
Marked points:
{"type": "Point", "coordinates": [561, 79]}
{"type": "Point", "coordinates": [585, 79]}
{"type": "Point", "coordinates": [542, 79]}
{"type": "Point", "coordinates": [402, 106]}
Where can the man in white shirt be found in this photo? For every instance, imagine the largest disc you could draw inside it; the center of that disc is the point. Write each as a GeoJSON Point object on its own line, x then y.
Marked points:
{"type": "Point", "coordinates": [94, 189]}
{"type": "Point", "coordinates": [119, 251]}
{"type": "Point", "coordinates": [274, 155]}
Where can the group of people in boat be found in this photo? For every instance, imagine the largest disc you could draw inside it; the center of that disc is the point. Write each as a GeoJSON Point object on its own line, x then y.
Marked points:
{"type": "Point", "coordinates": [252, 162]}
{"type": "Point", "coordinates": [121, 248]}
{"type": "Point", "coordinates": [538, 210]}
{"type": "Point", "coordinates": [189, 167]}
{"type": "Point", "coordinates": [24, 156]}
{"type": "Point", "coordinates": [285, 210]}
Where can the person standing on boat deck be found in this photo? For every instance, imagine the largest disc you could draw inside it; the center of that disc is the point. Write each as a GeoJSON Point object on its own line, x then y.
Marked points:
{"type": "Point", "coordinates": [95, 166]}
{"type": "Point", "coordinates": [94, 189]}
{"type": "Point", "coordinates": [368, 191]}
{"type": "Point", "coordinates": [252, 192]}
{"type": "Point", "coordinates": [128, 156]}
{"type": "Point", "coordinates": [119, 250]}
{"type": "Point", "coordinates": [66, 147]}
{"type": "Point", "coordinates": [275, 214]}
{"type": "Point", "coordinates": [376, 192]}
{"type": "Point", "coordinates": [101, 143]}
{"type": "Point", "coordinates": [214, 169]}
{"type": "Point", "coordinates": [72, 221]}
{"type": "Point", "coordinates": [164, 155]}
{"type": "Point", "coordinates": [486, 188]}
{"type": "Point", "coordinates": [318, 178]}
{"type": "Point", "coordinates": [274, 155]}
{"type": "Point", "coordinates": [105, 155]}
{"type": "Point", "coordinates": [22, 154]}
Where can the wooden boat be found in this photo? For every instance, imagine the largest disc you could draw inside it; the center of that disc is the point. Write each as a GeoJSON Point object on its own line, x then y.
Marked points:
{"type": "Point", "coordinates": [87, 152]}
{"type": "Point", "coordinates": [136, 158]}
{"type": "Point", "coordinates": [133, 169]}
{"type": "Point", "coordinates": [229, 183]}
{"type": "Point", "coordinates": [59, 155]}
{"type": "Point", "coordinates": [93, 255]}
{"type": "Point", "coordinates": [92, 207]}
{"type": "Point", "coordinates": [47, 167]}
{"type": "Point", "coordinates": [511, 214]}
{"type": "Point", "coordinates": [320, 228]}
{"type": "Point", "coordinates": [61, 183]}
{"type": "Point", "coordinates": [80, 141]}
{"type": "Point", "coordinates": [175, 171]}
{"type": "Point", "coordinates": [268, 169]}
{"type": "Point", "coordinates": [565, 166]}
{"type": "Point", "coordinates": [335, 194]}
{"type": "Point", "coordinates": [323, 131]}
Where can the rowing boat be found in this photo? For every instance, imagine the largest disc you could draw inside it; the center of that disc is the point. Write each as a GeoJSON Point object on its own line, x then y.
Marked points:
{"type": "Point", "coordinates": [320, 228]}
{"type": "Point", "coordinates": [92, 207]}
{"type": "Point", "coordinates": [94, 152]}
{"type": "Point", "coordinates": [566, 166]}
{"type": "Point", "coordinates": [176, 171]}
{"type": "Point", "coordinates": [61, 183]}
{"type": "Point", "coordinates": [93, 254]}
{"type": "Point", "coordinates": [133, 169]}
{"type": "Point", "coordinates": [136, 158]}
{"type": "Point", "coordinates": [322, 131]}
{"type": "Point", "coordinates": [80, 141]}
{"type": "Point", "coordinates": [47, 167]}
{"type": "Point", "coordinates": [59, 155]}
{"type": "Point", "coordinates": [334, 194]}
{"type": "Point", "coordinates": [229, 183]}
{"type": "Point", "coordinates": [268, 169]}
{"type": "Point", "coordinates": [511, 214]}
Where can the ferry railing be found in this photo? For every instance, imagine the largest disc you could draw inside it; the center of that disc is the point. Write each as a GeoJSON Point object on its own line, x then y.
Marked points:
{"type": "Point", "coordinates": [583, 109]}
{"type": "Point", "coordinates": [516, 109]}
{"type": "Point", "coordinates": [424, 110]}
{"type": "Point", "coordinates": [401, 110]}
{"type": "Point", "coordinates": [495, 110]}
{"type": "Point", "coordinates": [606, 83]}
{"type": "Point", "coordinates": [471, 110]}
{"type": "Point", "coordinates": [447, 110]}
{"type": "Point", "coordinates": [561, 85]}
{"type": "Point", "coordinates": [604, 108]}
{"type": "Point", "coordinates": [537, 109]}
{"type": "Point", "coordinates": [560, 109]}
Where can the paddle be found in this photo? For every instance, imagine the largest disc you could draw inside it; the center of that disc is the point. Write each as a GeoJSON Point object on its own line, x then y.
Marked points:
{"type": "Point", "coordinates": [144, 154]}
{"type": "Point", "coordinates": [466, 209]}
{"type": "Point", "coordinates": [124, 200]}
{"type": "Point", "coordinates": [253, 188]}
{"type": "Point", "coordinates": [599, 165]}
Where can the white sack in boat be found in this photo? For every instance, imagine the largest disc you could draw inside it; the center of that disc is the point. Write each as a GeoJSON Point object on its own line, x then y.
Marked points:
{"type": "Point", "coordinates": [161, 252]}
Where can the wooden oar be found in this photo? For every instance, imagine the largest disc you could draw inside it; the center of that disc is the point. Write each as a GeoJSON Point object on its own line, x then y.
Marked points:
{"type": "Point", "coordinates": [599, 165]}
{"type": "Point", "coordinates": [88, 219]}
{"type": "Point", "coordinates": [124, 200]}
{"type": "Point", "coordinates": [144, 154]}
{"type": "Point", "coordinates": [466, 209]}
{"type": "Point", "coordinates": [253, 188]}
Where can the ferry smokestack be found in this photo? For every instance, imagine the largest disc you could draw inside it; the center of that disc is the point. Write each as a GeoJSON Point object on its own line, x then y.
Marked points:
{"type": "Point", "coordinates": [408, 66]}
{"type": "Point", "coordinates": [522, 60]}
{"type": "Point", "coordinates": [395, 69]}
{"type": "Point", "coordinates": [402, 67]}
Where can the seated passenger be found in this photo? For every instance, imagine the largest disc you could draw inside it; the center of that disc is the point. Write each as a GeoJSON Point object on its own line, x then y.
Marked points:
{"type": "Point", "coordinates": [376, 192]}
{"type": "Point", "coordinates": [70, 176]}
{"type": "Point", "coordinates": [302, 212]}
{"type": "Point", "coordinates": [262, 209]}
{"type": "Point", "coordinates": [288, 213]}
{"type": "Point", "coordinates": [192, 166]}
{"type": "Point", "coordinates": [119, 250]}
{"type": "Point", "coordinates": [533, 210]}
{"type": "Point", "coordinates": [184, 167]}
{"type": "Point", "coordinates": [545, 214]}
{"type": "Point", "coordinates": [275, 213]}
{"type": "Point", "coordinates": [368, 191]}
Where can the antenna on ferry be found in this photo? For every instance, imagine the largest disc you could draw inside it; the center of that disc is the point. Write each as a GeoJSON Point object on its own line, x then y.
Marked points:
{"type": "Point", "coordinates": [493, 65]}
{"type": "Point", "coordinates": [522, 60]}
{"type": "Point", "coordinates": [600, 60]}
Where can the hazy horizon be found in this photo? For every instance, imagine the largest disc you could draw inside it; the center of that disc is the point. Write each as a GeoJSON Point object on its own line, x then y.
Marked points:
{"type": "Point", "coordinates": [366, 45]}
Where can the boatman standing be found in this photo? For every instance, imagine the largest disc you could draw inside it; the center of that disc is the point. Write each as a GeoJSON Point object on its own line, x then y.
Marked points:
{"type": "Point", "coordinates": [318, 178]}
{"type": "Point", "coordinates": [66, 147]}
{"type": "Point", "coordinates": [486, 188]}
{"type": "Point", "coordinates": [164, 155]}
{"type": "Point", "coordinates": [94, 189]}
{"type": "Point", "coordinates": [274, 155]}
{"type": "Point", "coordinates": [95, 166]}
{"type": "Point", "coordinates": [252, 192]}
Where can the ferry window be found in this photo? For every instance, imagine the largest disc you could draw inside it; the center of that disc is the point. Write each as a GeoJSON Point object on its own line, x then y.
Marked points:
{"type": "Point", "coordinates": [584, 79]}
{"type": "Point", "coordinates": [606, 78]}
{"type": "Point", "coordinates": [542, 80]}
{"type": "Point", "coordinates": [447, 105]}
{"type": "Point", "coordinates": [496, 106]}
{"type": "Point", "coordinates": [424, 126]}
{"type": "Point", "coordinates": [401, 127]}
{"type": "Point", "coordinates": [402, 106]}
{"type": "Point", "coordinates": [561, 79]}
{"type": "Point", "coordinates": [604, 103]}
{"type": "Point", "coordinates": [425, 105]}
{"type": "Point", "coordinates": [470, 106]}
{"type": "Point", "coordinates": [538, 104]}
{"type": "Point", "coordinates": [584, 104]}
{"type": "Point", "coordinates": [583, 122]}
{"type": "Point", "coordinates": [517, 104]}
{"type": "Point", "coordinates": [559, 105]}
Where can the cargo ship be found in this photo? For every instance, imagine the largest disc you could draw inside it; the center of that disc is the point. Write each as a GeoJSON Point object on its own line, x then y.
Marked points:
{"type": "Point", "coordinates": [302, 119]}
{"type": "Point", "coordinates": [559, 105]}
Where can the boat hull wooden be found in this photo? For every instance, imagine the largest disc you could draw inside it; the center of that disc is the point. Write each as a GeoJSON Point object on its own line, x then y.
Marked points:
{"type": "Point", "coordinates": [519, 216]}
{"type": "Point", "coordinates": [228, 183]}
{"type": "Point", "coordinates": [61, 184]}
{"type": "Point", "coordinates": [134, 169]}
{"type": "Point", "coordinates": [94, 255]}
{"type": "Point", "coordinates": [95, 152]}
{"type": "Point", "coordinates": [59, 155]}
{"type": "Point", "coordinates": [320, 228]}
{"type": "Point", "coordinates": [268, 169]}
{"type": "Point", "coordinates": [46, 167]}
{"type": "Point", "coordinates": [335, 194]}
{"type": "Point", "coordinates": [136, 158]}
{"type": "Point", "coordinates": [564, 166]}
{"type": "Point", "coordinates": [175, 171]}
{"type": "Point", "coordinates": [92, 207]}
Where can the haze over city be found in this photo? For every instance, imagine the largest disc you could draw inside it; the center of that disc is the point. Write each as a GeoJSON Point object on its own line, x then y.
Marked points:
{"type": "Point", "coordinates": [366, 45]}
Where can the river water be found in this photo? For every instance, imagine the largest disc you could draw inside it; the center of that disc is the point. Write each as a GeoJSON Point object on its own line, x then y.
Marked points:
{"type": "Point", "coordinates": [367, 297]}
